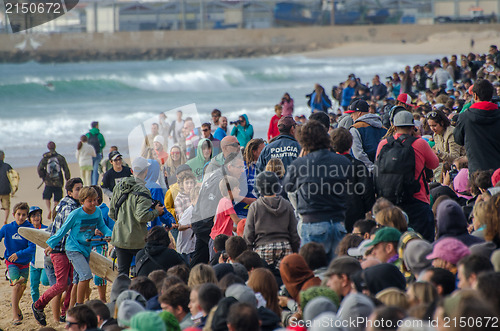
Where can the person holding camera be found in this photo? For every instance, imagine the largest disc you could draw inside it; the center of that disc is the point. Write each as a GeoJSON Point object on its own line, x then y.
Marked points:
{"type": "Point", "coordinates": [445, 147]}
{"type": "Point", "coordinates": [242, 130]}
{"type": "Point", "coordinates": [131, 207]}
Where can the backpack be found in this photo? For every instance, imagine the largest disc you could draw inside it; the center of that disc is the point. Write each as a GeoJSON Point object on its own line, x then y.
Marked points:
{"type": "Point", "coordinates": [53, 168]}
{"type": "Point", "coordinates": [94, 141]}
{"type": "Point", "coordinates": [124, 198]}
{"type": "Point", "coordinates": [395, 170]}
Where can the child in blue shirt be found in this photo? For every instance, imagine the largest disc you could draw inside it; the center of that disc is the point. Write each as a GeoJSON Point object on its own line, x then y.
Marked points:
{"type": "Point", "coordinates": [81, 225]}
{"type": "Point", "coordinates": [37, 275]}
{"type": "Point", "coordinates": [18, 254]}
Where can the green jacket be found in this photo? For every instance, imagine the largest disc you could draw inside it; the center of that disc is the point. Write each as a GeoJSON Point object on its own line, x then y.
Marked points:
{"type": "Point", "coordinates": [198, 163]}
{"type": "Point", "coordinates": [102, 142]}
{"type": "Point", "coordinates": [130, 227]}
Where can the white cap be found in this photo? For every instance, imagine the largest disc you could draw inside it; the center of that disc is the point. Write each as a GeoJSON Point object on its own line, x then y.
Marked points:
{"type": "Point", "coordinates": [159, 139]}
{"type": "Point", "coordinates": [361, 249]}
{"type": "Point", "coordinates": [139, 164]}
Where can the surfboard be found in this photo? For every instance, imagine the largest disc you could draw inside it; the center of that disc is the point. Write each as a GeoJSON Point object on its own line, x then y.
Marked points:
{"type": "Point", "coordinates": [14, 181]}
{"type": "Point", "coordinates": [100, 265]}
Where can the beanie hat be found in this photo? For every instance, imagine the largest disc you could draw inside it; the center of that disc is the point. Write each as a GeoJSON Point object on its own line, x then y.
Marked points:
{"type": "Point", "coordinates": [318, 291]}
{"type": "Point", "coordinates": [159, 139]}
{"type": "Point", "coordinates": [240, 270]}
{"type": "Point", "coordinates": [318, 306]}
{"type": "Point", "coordinates": [130, 295]}
{"type": "Point", "coordinates": [242, 293]}
{"type": "Point", "coordinates": [121, 283]}
{"type": "Point", "coordinates": [127, 310]}
{"type": "Point", "coordinates": [171, 323]}
{"type": "Point", "coordinates": [267, 183]}
{"type": "Point", "coordinates": [147, 321]}
{"type": "Point", "coordinates": [325, 321]}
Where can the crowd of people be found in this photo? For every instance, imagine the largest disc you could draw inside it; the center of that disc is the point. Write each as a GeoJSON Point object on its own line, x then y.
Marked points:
{"type": "Point", "coordinates": [383, 214]}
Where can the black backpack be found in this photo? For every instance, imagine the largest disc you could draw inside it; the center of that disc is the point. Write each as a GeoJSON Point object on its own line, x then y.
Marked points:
{"type": "Point", "coordinates": [395, 170]}
{"type": "Point", "coordinates": [94, 141]}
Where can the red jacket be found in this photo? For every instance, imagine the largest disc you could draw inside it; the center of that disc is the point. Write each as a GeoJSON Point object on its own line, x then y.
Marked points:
{"type": "Point", "coordinates": [273, 128]}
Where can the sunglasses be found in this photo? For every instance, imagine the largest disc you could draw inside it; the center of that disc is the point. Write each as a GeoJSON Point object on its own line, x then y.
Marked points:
{"type": "Point", "coordinates": [117, 159]}
{"type": "Point", "coordinates": [69, 324]}
{"type": "Point", "coordinates": [205, 130]}
{"type": "Point", "coordinates": [176, 153]}
{"type": "Point", "coordinates": [432, 114]}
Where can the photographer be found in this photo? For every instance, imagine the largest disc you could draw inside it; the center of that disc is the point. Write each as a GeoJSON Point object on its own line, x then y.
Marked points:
{"type": "Point", "coordinates": [242, 130]}
{"type": "Point", "coordinates": [131, 208]}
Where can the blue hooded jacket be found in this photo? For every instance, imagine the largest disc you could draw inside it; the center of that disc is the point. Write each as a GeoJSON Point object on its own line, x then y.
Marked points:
{"type": "Point", "coordinates": [14, 243]}
{"type": "Point", "coordinates": [243, 134]}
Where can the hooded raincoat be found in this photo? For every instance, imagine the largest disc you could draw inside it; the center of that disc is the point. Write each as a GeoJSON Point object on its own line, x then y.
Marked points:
{"type": "Point", "coordinates": [243, 134]}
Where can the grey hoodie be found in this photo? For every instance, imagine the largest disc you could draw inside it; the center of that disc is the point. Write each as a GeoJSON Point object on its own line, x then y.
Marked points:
{"type": "Point", "coordinates": [367, 131]}
{"type": "Point", "coordinates": [271, 220]}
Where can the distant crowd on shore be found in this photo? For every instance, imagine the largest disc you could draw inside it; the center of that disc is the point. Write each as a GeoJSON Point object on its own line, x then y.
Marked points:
{"type": "Point", "coordinates": [378, 211]}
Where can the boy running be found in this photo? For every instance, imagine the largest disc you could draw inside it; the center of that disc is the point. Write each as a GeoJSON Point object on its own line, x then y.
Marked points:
{"type": "Point", "coordinates": [81, 225]}
{"type": "Point", "coordinates": [18, 254]}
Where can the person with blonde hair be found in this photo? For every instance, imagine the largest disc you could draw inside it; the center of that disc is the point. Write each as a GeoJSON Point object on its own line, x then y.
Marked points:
{"type": "Point", "coordinates": [393, 297]}
{"type": "Point", "coordinates": [201, 274]}
{"type": "Point", "coordinates": [421, 293]}
{"type": "Point", "coordinates": [392, 217]}
{"type": "Point", "coordinates": [84, 154]}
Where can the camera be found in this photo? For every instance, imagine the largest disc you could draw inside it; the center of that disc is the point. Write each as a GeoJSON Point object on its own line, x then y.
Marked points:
{"type": "Point", "coordinates": [235, 122]}
{"type": "Point", "coordinates": [453, 173]}
{"type": "Point", "coordinates": [156, 203]}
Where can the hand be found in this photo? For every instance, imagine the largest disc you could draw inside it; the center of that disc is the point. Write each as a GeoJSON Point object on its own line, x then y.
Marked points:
{"type": "Point", "coordinates": [98, 233]}
{"type": "Point", "coordinates": [48, 250]}
{"type": "Point", "coordinates": [160, 209]}
{"type": "Point", "coordinates": [174, 226]}
{"type": "Point", "coordinates": [13, 258]}
{"type": "Point", "coordinates": [282, 301]}
{"type": "Point", "coordinates": [446, 179]}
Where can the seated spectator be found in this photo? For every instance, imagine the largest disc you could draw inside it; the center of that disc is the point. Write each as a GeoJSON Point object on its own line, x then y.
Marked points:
{"type": "Point", "coordinates": [81, 316]}
{"type": "Point", "coordinates": [451, 223]}
{"type": "Point", "coordinates": [469, 269]}
{"type": "Point", "coordinates": [363, 228]}
{"type": "Point", "coordinates": [262, 281]}
{"type": "Point", "coordinates": [315, 257]}
{"type": "Point", "coordinates": [296, 275]}
{"type": "Point", "coordinates": [392, 217]}
{"type": "Point", "coordinates": [176, 300]}
{"type": "Point", "coordinates": [201, 274]}
{"type": "Point", "coordinates": [443, 280]}
{"type": "Point", "coordinates": [144, 286]}
{"type": "Point", "coordinates": [102, 312]}
{"type": "Point", "coordinates": [243, 317]}
{"type": "Point", "coordinates": [447, 252]}
{"type": "Point", "coordinates": [156, 255]}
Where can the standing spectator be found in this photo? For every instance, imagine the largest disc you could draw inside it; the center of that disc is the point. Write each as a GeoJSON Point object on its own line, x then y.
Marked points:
{"type": "Point", "coordinates": [176, 159]}
{"type": "Point", "coordinates": [320, 179]}
{"type": "Point", "coordinates": [362, 198]}
{"type": "Point", "coordinates": [132, 215]}
{"type": "Point", "coordinates": [420, 78]}
{"type": "Point", "coordinates": [273, 123]}
{"type": "Point", "coordinates": [5, 188]}
{"type": "Point", "coordinates": [401, 163]}
{"type": "Point", "coordinates": [114, 175]}
{"type": "Point", "coordinates": [366, 132]}
{"type": "Point", "coordinates": [284, 147]}
{"type": "Point", "coordinates": [243, 130]}
{"type": "Point", "coordinates": [216, 115]}
{"type": "Point", "coordinates": [319, 101]}
{"type": "Point", "coordinates": [96, 139]}
{"type": "Point", "coordinates": [287, 104]}
{"type": "Point", "coordinates": [147, 148]}
{"type": "Point", "coordinates": [203, 156]}
{"type": "Point", "coordinates": [84, 154]}
{"type": "Point", "coordinates": [164, 129]}
{"type": "Point", "coordinates": [478, 129]}
{"type": "Point", "coordinates": [494, 51]}
{"type": "Point", "coordinates": [50, 170]}
{"type": "Point", "coordinates": [379, 90]}
{"type": "Point", "coordinates": [176, 128]}
{"type": "Point", "coordinates": [348, 93]}
{"type": "Point", "coordinates": [159, 150]}
{"type": "Point", "coordinates": [221, 131]}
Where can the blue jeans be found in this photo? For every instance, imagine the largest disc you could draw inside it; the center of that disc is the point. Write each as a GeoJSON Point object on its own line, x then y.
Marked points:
{"type": "Point", "coordinates": [328, 233]}
{"type": "Point", "coordinates": [95, 172]}
{"type": "Point", "coordinates": [37, 275]}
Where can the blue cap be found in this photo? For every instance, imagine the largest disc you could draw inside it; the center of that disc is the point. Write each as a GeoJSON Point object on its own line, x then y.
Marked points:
{"type": "Point", "coordinates": [34, 209]}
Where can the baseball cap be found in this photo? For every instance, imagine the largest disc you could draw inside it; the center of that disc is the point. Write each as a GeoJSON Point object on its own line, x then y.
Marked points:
{"type": "Point", "coordinates": [286, 121]}
{"type": "Point", "coordinates": [113, 155]}
{"type": "Point", "coordinates": [404, 118]}
{"type": "Point", "coordinates": [139, 164]}
{"type": "Point", "coordinates": [449, 249]}
{"type": "Point", "coordinates": [343, 265]}
{"type": "Point", "coordinates": [360, 250]}
{"type": "Point", "coordinates": [405, 98]}
{"type": "Point", "coordinates": [385, 235]}
{"type": "Point", "coordinates": [495, 178]}
{"type": "Point", "coordinates": [358, 105]}
{"type": "Point", "coordinates": [182, 168]}
{"type": "Point", "coordinates": [34, 209]}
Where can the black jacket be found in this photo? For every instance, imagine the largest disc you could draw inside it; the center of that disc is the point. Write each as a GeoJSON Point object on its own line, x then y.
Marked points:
{"type": "Point", "coordinates": [283, 147]}
{"type": "Point", "coordinates": [4, 179]}
{"type": "Point", "coordinates": [478, 129]}
{"type": "Point", "coordinates": [162, 258]}
{"type": "Point", "coordinates": [362, 193]}
{"type": "Point", "coordinates": [321, 181]}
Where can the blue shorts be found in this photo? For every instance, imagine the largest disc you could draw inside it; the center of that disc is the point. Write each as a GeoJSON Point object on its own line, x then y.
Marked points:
{"type": "Point", "coordinates": [80, 265]}
{"type": "Point", "coordinates": [15, 273]}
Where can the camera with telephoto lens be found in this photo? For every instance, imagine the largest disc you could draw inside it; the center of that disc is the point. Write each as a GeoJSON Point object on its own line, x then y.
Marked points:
{"type": "Point", "coordinates": [235, 122]}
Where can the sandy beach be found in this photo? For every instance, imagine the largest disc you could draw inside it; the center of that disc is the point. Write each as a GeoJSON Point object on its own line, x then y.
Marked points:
{"type": "Point", "coordinates": [438, 44]}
